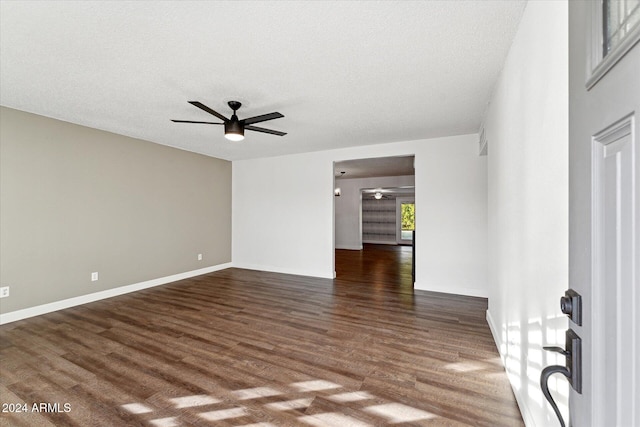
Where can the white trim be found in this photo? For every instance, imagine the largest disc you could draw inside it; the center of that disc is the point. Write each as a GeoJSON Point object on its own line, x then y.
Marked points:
{"type": "Point", "coordinates": [381, 242]}
{"type": "Point", "coordinates": [470, 292]}
{"type": "Point", "coordinates": [496, 336]}
{"type": "Point", "coordinates": [38, 310]}
{"type": "Point", "coordinates": [329, 274]}
{"type": "Point", "coordinates": [350, 247]}
{"type": "Point", "coordinates": [527, 417]}
{"type": "Point", "coordinates": [597, 66]}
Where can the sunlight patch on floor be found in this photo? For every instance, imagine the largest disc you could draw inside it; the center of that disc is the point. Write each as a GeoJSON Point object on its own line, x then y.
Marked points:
{"type": "Point", "coordinates": [289, 404]}
{"type": "Point", "coordinates": [165, 422]}
{"type": "Point", "coordinates": [399, 413]}
{"type": "Point", "coordinates": [390, 412]}
{"type": "Point", "coordinates": [223, 414]}
{"type": "Point", "coordinates": [259, 425]}
{"type": "Point", "coordinates": [191, 401]}
{"type": "Point", "coordinates": [254, 393]}
{"type": "Point", "coordinates": [332, 419]}
{"type": "Point", "coordinates": [350, 397]}
{"type": "Point", "coordinates": [464, 366]}
{"type": "Point", "coordinates": [136, 408]}
{"type": "Point", "coordinates": [315, 385]}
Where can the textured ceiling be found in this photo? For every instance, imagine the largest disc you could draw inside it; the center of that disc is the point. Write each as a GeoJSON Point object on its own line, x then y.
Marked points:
{"type": "Point", "coordinates": [343, 73]}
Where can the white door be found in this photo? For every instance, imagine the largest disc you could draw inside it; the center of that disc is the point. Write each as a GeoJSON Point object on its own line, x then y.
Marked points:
{"type": "Point", "coordinates": [604, 209]}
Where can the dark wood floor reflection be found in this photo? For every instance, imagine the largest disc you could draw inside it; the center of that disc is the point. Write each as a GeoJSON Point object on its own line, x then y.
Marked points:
{"type": "Point", "coordinates": [387, 266]}
{"type": "Point", "coordinates": [240, 347]}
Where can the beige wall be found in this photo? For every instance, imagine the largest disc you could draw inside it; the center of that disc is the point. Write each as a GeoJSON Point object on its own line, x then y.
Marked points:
{"type": "Point", "coordinates": [75, 200]}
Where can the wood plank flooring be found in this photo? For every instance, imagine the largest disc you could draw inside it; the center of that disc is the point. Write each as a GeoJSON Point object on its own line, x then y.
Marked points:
{"type": "Point", "coordinates": [240, 347]}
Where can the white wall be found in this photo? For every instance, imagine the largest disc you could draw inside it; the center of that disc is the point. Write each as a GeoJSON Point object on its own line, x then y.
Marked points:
{"type": "Point", "coordinates": [527, 131]}
{"type": "Point", "coordinates": [347, 206]}
{"type": "Point", "coordinates": [283, 212]}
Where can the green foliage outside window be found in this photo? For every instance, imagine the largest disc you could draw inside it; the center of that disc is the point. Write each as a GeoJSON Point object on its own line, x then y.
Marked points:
{"type": "Point", "coordinates": [408, 213]}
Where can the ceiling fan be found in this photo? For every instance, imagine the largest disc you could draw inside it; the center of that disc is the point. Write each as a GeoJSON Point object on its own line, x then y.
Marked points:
{"type": "Point", "coordinates": [234, 128]}
{"type": "Point", "coordinates": [379, 196]}
{"type": "Point", "coordinates": [378, 193]}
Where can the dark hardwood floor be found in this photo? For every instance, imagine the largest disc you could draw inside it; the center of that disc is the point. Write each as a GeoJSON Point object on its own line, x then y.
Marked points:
{"type": "Point", "coordinates": [386, 266]}
{"type": "Point", "coordinates": [240, 347]}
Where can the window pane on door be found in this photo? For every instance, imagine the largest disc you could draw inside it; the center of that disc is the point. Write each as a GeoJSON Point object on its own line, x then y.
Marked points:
{"type": "Point", "coordinates": [620, 17]}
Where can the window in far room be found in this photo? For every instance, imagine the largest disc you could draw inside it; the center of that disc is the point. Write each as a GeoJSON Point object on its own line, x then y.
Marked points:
{"type": "Point", "coordinates": [405, 219]}
{"type": "Point", "coordinates": [408, 217]}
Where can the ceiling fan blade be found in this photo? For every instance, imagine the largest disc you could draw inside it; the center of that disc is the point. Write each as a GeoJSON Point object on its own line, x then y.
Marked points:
{"type": "Point", "coordinates": [262, 118]}
{"type": "Point", "coordinates": [203, 107]}
{"type": "Point", "coordinates": [191, 121]}
{"type": "Point", "coordinates": [263, 130]}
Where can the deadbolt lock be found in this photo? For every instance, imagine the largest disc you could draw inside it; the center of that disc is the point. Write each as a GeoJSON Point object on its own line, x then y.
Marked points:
{"type": "Point", "coordinates": [571, 305]}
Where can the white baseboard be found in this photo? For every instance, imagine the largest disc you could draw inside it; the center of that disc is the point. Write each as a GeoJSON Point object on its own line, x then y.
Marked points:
{"type": "Point", "coordinates": [527, 417]}
{"type": "Point", "coordinates": [96, 296]}
{"type": "Point", "coordinates": [329, 274]}
{"type": "Point", "coordinates": [380, 242]}
{"type": "Point", "coordinates": [494, 333]}
{"type": "Point", "coordinates": [350, 247]}
{"type": "Point", "coordinates": [470, 292]}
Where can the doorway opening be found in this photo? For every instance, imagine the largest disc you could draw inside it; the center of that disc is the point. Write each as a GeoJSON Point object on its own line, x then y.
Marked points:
{"type": "Point", "coordinates": [375, 220]}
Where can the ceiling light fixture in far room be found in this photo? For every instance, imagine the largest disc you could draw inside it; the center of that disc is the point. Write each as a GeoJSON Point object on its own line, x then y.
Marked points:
{"type": "Point", "coordinates": [337, 191]}
{"type": "Point", "coordinates": [378, 195]}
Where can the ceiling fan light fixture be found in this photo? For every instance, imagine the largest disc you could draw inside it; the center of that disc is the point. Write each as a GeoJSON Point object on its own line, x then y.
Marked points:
{"type": "Point", "coordinates": [378, 195]}
{"type": "Point", "coordinates": [234, 128]}
{"type": "Point", "coordinates": [235, 137]}
{"type": "Point", "coordinates": [233, 131]}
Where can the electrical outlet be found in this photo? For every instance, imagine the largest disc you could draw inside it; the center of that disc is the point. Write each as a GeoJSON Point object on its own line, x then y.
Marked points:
{"type": "Point", "coordinates": [199, 257]}
{"type": "Point", "coordinates": [94, 276]}
{"type": "Point", "coordinates": [4, 292]}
